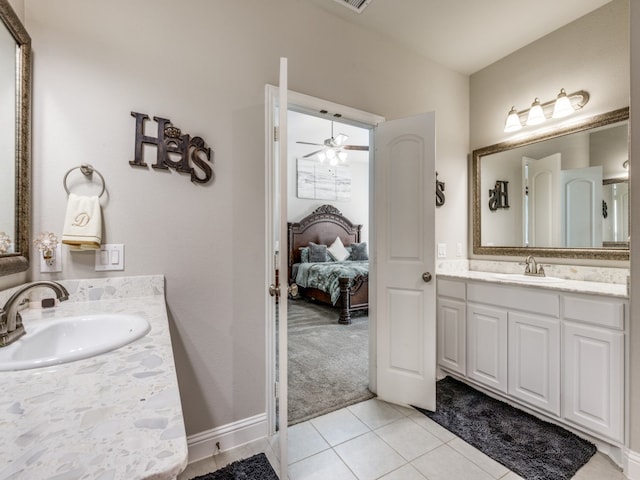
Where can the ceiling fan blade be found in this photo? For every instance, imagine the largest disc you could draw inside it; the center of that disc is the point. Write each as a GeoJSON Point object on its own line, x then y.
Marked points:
{"type": "Point", "coordinates": [309, 143]}
{"type": "Point", "coordinates": [311, 154]}
{"type": "Point", "coordinates": [364, 148]}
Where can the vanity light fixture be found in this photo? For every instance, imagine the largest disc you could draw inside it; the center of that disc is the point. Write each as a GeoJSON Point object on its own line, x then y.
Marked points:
{"type": "Point", "coordinates": [564, 105]}
{"type": "Point", "coordinates": [47, 243]}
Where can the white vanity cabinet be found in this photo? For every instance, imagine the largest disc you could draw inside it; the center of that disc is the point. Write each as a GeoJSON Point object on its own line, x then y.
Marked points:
{"type": "Point", "coordinates": [451, 326]}
{"type": "Point", "coordinates": [514, 342]}
{"type": "Point", "coordinates": [534, 360]}
{"type": "Point", "coordinates": [487, 346]}
{"type": "Point", "coordinates": [556, 351]}
{"type": "Point", "coordinates": [593, 367]}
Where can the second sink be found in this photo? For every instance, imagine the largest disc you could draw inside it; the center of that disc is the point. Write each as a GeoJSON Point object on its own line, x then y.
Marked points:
{"type": "Point", "coordinates": [66, 339]}
{"type": "Point", "coordinates": [518, 277]}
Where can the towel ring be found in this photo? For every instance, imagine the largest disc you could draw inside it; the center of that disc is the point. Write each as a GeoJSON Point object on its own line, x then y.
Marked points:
{"type": "Point", "coordinates": [86, 170]}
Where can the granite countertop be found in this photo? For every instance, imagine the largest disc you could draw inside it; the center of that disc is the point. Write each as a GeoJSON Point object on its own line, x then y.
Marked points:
{"type": "Point", "coordinates": [565, 285]}
{"type": "Point", "coordinates": [113, 416]}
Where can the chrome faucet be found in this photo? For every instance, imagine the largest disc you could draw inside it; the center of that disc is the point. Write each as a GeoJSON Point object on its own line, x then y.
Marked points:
{"type": "Point", "coordinates": [533, 268]}
{"type": "Point", "coordinates": [11, 327]}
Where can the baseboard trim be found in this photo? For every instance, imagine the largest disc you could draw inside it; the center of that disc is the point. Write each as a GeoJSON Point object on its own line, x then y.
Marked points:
{"type": "Point", "coordinates": [203, 445]}
{"type": "Point", "coordinates": [632, 465]}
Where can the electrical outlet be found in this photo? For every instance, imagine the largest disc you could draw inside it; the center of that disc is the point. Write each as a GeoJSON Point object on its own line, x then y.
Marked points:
{"type": "Point", "coordinates": [110, 257]}
{"type": "Point", "coordinates": [57, 262]}
{"type": "Point", "coordinates": [442, 250]}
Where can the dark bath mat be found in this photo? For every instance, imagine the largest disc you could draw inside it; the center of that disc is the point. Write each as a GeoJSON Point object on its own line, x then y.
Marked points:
{"type": "Point", "coordinates": [253, 468]}
{"type": "Point", "coordinates": [532, 448]}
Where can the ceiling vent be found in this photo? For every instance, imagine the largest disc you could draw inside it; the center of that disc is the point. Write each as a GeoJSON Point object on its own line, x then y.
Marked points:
{"type": "Point", "coordinates": [355, 5]}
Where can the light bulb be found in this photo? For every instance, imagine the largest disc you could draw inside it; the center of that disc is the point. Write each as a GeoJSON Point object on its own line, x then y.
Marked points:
{"type": "Point", "coordinates": [562, 107]}
{"type": "Point", "coordinates": [331, 154]}
{"type": "Point", "coordinates": [513, 123]}
{"type": "Point", "coordinates": [322, 157]}
{"type": "Point", "coordinates": [333, 162]}
{"type": "Point", "coordinates": [536, 115]}
{"type": "Point", "coordinates": [342, 155]}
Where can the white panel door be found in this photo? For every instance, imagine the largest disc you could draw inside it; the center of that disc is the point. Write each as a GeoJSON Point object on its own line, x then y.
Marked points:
{"type": "Point", "coordinates": [452, 334]}
{"type": "Point", "coordinates": [404, 260]}
{"type": "Point", "coordinates": [542, 197]}
{"type": "Point", "coordinates": [582, 207]}
{"type": "Point", "coordinates": [593, 378]}
{"type": "Point", "coordinates": [487, 346]}
{"type": "Point", "coordinates": [534, 360]}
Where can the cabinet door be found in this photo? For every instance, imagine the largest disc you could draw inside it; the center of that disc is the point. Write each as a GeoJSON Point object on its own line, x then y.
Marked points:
{"type": "Point", "coordinates": [487, 346]}
{"type": "Point", "coordinates": [452, 335]}
{"type": "Point", "coordinates": [593, 378]}
{"type": "Point", "coordinates": [534, 360]}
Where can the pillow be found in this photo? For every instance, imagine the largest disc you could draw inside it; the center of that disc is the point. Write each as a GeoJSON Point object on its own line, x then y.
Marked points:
{"type": "Point", "coordinates": [359, 251]}
{"type": "Point", "coordinates": [317, 253]}
{"type": "Point", "coordinates": [337, 251]}
{"type": "Point", "coordinates": [304, 254]}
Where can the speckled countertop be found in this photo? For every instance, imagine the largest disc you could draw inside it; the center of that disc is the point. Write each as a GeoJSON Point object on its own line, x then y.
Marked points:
{"type": "Point", "coordinates": [565, 285]}
{"type": "Point", "coordinates": [113, 416]}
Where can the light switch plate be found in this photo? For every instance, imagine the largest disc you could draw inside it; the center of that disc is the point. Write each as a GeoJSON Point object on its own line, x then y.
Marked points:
{"type": "Point", "coordinates": [458, 249]}
{"type": "Point", "coordinates": [110, 257]}
{"type": "Point", "coordinates": [442, 250]}
{"type": "Point", "coordinates": [57, 262]}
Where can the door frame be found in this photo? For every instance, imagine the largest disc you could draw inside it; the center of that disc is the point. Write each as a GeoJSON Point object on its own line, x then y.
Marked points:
{"type": "Point", "coordinates": [308, 104]}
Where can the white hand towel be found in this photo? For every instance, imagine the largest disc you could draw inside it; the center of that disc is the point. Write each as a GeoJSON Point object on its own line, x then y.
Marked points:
{"type": "Point", "coordinates": [82, 223]}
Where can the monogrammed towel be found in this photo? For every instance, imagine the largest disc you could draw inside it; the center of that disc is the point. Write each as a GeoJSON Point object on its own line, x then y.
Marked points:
{"type": "Point", "coordinates": [82, 223]}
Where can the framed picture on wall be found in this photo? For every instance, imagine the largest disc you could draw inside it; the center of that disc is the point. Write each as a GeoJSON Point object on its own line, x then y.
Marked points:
{"type": "Point", "coordinates": [321, 181]}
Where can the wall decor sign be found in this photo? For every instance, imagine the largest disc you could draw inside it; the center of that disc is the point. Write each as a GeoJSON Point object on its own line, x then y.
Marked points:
{"type": "Point", "coordinates": [320, 181]}
{"type": "Point", "coordinates": [440, 198]}
{"type": "Point", "coordinates": [174, 149]}
{"type": "Point", "coordinates": [499, 195]}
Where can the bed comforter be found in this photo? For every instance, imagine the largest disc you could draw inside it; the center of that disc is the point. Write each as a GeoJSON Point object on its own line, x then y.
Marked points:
{"type": "Point", "coordinates": [325, 275]}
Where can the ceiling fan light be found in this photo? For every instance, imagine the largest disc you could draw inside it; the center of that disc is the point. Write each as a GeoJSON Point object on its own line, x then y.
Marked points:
{"type": "Point", "coordinates": [562, 107]}
{"type": "Point", "coordinates": [513, 123]}
{"type": "Point", "coordinates": [333, 162]}
{"type": "Point", "coordinates": [342, 155]}
{"type": "Point", "coordinates": [340, 139]}
{"type": "Point", "coordinates": [321, 156]}
{"type": "Point", "coordinates": [331, 153]}
{"type": "Point", "coordinates": [536, 114]}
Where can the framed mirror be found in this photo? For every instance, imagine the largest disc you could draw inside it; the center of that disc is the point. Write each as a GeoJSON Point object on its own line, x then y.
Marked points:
{"type": "Point", "coordinates": [559, 194]}
{"type": "Point", "coordinates": [15, 142]}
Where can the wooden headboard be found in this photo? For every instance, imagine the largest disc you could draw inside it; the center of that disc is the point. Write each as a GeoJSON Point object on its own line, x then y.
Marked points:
{"type": "Point", "coordinates": [321, 227]}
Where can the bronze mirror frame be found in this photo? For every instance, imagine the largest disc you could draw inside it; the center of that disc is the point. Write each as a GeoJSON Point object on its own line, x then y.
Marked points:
{"type": "Point", "coordinates": [19, 261]}
{"type": "Point", "coordinates": [578, 253]}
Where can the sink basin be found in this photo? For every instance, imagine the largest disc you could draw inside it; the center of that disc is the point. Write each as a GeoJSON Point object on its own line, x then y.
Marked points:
{"type": "Point", "coordinates": [518, 277]}
{"type": "Point", "coordinates": [66, 339]}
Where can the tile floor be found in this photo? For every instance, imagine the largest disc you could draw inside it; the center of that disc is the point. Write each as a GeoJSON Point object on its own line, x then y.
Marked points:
{"type": "Point", "coordinates": [377, 440]}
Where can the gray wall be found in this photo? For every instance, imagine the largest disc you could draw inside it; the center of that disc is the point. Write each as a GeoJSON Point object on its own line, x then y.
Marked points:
{"type": "Point", "coordinates": [204, 64]}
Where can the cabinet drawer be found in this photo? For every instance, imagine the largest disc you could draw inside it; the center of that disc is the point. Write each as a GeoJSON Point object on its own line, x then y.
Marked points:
{"type": "Point", "coordinates": [517, 298]}
{"type": "Point", "coordinates": [601, 312]}
{"type": "Point", "coordinates": [451, 288]}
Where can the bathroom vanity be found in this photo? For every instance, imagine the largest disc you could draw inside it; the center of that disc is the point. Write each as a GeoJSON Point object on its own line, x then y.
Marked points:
{"type": "Point", "coordinates": [557, 349]}
{"type": "Point", "coordinates": [111, 416]}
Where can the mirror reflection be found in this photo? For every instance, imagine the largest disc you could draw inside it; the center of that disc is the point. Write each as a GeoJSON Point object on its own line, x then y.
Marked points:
{"type": "Point", "coordinates": [563, 191]}
{"type": "Point", "coordinates": [15, 141]}
{"type": "Point", "coordinates": [7, 140]}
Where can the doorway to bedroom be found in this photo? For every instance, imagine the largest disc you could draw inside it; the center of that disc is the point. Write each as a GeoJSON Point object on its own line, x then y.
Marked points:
{"type": "Point", "coordinates": [328, 204]}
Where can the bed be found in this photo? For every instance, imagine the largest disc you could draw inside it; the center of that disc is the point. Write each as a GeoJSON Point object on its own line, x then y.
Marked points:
{"type": "Point", "coordinates": [343, 283]}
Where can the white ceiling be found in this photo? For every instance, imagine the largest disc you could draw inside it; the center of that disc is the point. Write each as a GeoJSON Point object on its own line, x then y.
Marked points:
{"type": "Point", "coordinates": [464, 35]}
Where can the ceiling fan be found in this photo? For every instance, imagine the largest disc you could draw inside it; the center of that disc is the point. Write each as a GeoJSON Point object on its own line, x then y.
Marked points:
{"type": "Point", "coordinates": [333, 148]}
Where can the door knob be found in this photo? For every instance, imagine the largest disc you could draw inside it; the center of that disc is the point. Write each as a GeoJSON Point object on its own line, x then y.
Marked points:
{"type": "Point", "coordinates": [293, 290]}
{"type": "Point", "coordinates": [426, 276]}
{"type": "Point", "coordinates": [274, 291]}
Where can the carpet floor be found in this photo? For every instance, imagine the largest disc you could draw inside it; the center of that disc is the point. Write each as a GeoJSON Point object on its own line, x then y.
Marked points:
{"type": "Point", "coordinates": [253, 468]}
{"type": "Point", "coordinates": [532, 448]}
{"type": "Point", "coordinates": [328, 362]}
